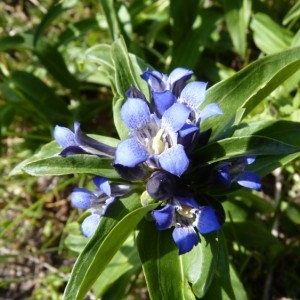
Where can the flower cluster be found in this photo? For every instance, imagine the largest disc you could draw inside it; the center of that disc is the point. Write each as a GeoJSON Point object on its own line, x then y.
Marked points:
{"type": "Point", "coordinates": [163, 133]}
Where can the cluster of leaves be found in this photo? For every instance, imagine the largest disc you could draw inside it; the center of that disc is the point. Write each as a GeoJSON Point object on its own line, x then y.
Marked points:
{"type": "Point", "coordinates": [260, 235]}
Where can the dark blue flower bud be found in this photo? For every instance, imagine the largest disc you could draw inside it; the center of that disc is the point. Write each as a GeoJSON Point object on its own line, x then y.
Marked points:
{"type": "Point", "coordinates": [161, 185]}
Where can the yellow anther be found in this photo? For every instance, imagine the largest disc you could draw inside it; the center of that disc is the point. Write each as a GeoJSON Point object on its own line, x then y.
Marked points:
{"type": "Point", "coordinates": [158, 146]}
{"type": "Point", "coordinates": [186, 211]}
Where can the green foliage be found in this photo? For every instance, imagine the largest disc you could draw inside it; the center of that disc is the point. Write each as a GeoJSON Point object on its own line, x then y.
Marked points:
{"type": "Point", "coordinates": [75, 61]}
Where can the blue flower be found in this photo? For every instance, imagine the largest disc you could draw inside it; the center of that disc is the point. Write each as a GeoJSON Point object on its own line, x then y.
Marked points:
{"type": "Point", "coordinates": [174, 83]}
{"type": "Point", "coordinates": [233, 170]}
{"type": "Point", "coordinates": [152, 141]}
{"type": "Point", "coordinates": [97, 201]}
{"type": "Point", "coordinates": [78, 142]}
{"type": "Point", "coordinates": [166, 91]}
{"type": "Point", "coordinates": [188, 218]}
{"type": "Point", "coordinates": [180, 211]}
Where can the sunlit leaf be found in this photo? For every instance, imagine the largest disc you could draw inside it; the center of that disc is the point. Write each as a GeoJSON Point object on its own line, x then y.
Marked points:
{"type": "Point", "coordinates": [268, 35]}
{"type": "Point", "coordinates": [55, 64]}
{"type": "Point", "coordinates": [237, 15]}
{"type": "Point", "coordinates": [81, 164]}
{"type": "Point", "coordinates": [161, 264]}
{"type": "Point", "coordinates": [37, 97]}
{"type": "Point", "coordinates": [200, 263]}
{"type": "Point", "coordinates": [126, 259]}
{"type": "Point", "coordinates": [120, 219]}
{"type": "Point", "coordinates": [248, 88]}
{"type": "Point", "coordinates": [242, 146]}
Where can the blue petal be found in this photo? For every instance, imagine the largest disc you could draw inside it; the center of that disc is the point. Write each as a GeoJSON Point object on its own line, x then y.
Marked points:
{"type": "Point", "coordinates": [193, 94]}
{"type": "Point", "coordinates": [177, 79]}
{"type": "Point", "coordinates": [90, 224]}
{"type": "Point", "coordinates": [208, 220]}
{"type": "Point", "coordinates": [130, 153]}
{"type": "Point", "coordinates": [135, 112]}
{"type": "Point", "coordinates": [133, 92]}
{"type": "Point", "coordinates": [72, 150]}
{"type": "Point", "coordinates": [163, 100]}
{"type": "Point", "coordinates": [91, 145]}
{"type": "Point", "coordinates": [82, 198]}
{"type": "Point", "coordinates": [102, 184]}
{"type": "Point", "coordinates": [175, 117]}
{"type": "Point", "coordinates": [210, 110]}
{"type": "Point", "coordinates": [247, 160]}
{"type": "Point", "coordinates": [189, 201]}
{"type": "Point", "coordinates": [108, 202]}
{"type": "Point", "coordinates": [136, 173]}
{"type": "Point", "coordinates": [64, 136]}
{"type": "Point", "coordinates": [155, 80]}
{"type": "Point", "coordinates": [185, 238]}
{"type": "Point", "coordinates": [174, 160]}
{"type": "Point", "coordinates": [249, 180]}
{"type": "Point", "coordinates": [224, 176]}
{"type": "Point", "coordinates": [188, 129]}
{"type": "Point", "coordinates": [180, 74]}
{"type": "Point", "coordinates": [164, 217]}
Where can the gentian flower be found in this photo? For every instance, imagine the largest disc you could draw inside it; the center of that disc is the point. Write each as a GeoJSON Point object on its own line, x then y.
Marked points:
{"type": "Point", "coordinates": [174, 83]}
{"type": "Point", "coordinates": [166, 91]}
{"type": "Point", "coordinates": [180, 211]}
{"type": "Point", "coordinates": [152, 141]}
{"type": "Point", "coordinates": [233, 170]}
{"type": "Point", "coordinates": [97, 201]}
{"type": "Point", "coordinates": [187, 217]}
{"type": "Point", "coordinates": [78, 142]}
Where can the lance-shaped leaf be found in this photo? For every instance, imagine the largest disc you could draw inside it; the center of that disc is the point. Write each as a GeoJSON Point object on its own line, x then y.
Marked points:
{"type": "Point", "coordinates": [282, 130]}
{"type": "Point", "coordinates": [162, 265]}
{"type": "Point", "coordinates": [127, 73]}
{"type": "Point", "coordinates": [42, 160]}
{"type": "Point", "coordinates": [80, 163]}
{"type": "Point", "coordinates": [237, 15]}
{"type": "Point", "coordinates": [41, 99]}
{"type": "Point", "coordinates": [200, 263]}
{"type": "Point", "coordinates": [242, 146]}
{"type": "Point", "coordinates": [248, 88]}
{"type": "Point", "coordinates": [119, 221]}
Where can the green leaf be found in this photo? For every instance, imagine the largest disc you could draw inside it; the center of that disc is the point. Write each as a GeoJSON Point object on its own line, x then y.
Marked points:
{"type": "Point", "coordinates": [123, 70]}
{"type": "Point", "coordinates": [20, 41]}
{"type": "Point", "coordinates": [43, 159]}
{"type": "Point", "coordinates": [182, 17]}
{"type": "Point", "coordinates": [120, 219]}
{"type": "Point", "coordinates": [264, 165]}
{"type": "Point", "coordinates": [284, 131]}
{"type": "Point", "coordinates": [126, 259]}
{"type": "Point", "coordinates": [242, 146]}
{"type": "Point", "coordinates": [54, 62]}
{"type": "Point", "coordinates": [258, 236]}
{"type": "Point", "coordinates": [187, 51]}
{"type": "Point", "coordinates": [229, 284]}
{"type": "Point", "coordinates": [80, 164]}
{"type": "Point", "coordinates": [127, 73]}
{"type": "Point", "coordinates": [200, 263]}
{"type": "Point", "coordinates": [237, 15]}
{"type": "Point", "coordinates": [111, 18]}
{"type": "Point", "coordinates": [248, 88]}
{"type": "Point", "coordinates": [161, 264]}
{"type": "Point", "coordinates": [220, 291]}
{"type": "Point", "coordinates": [77, 29]}
{"type": "Point", "coordinates": [49, 150]}
{"type": "Point", "coordinates": [38, 97]}
{"type": "Point", "coordinates": [293, 14]}
{"type": "Point", "coordinates": [269, 36]}
{"type": "Point", "coordinates": [56, 9]}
